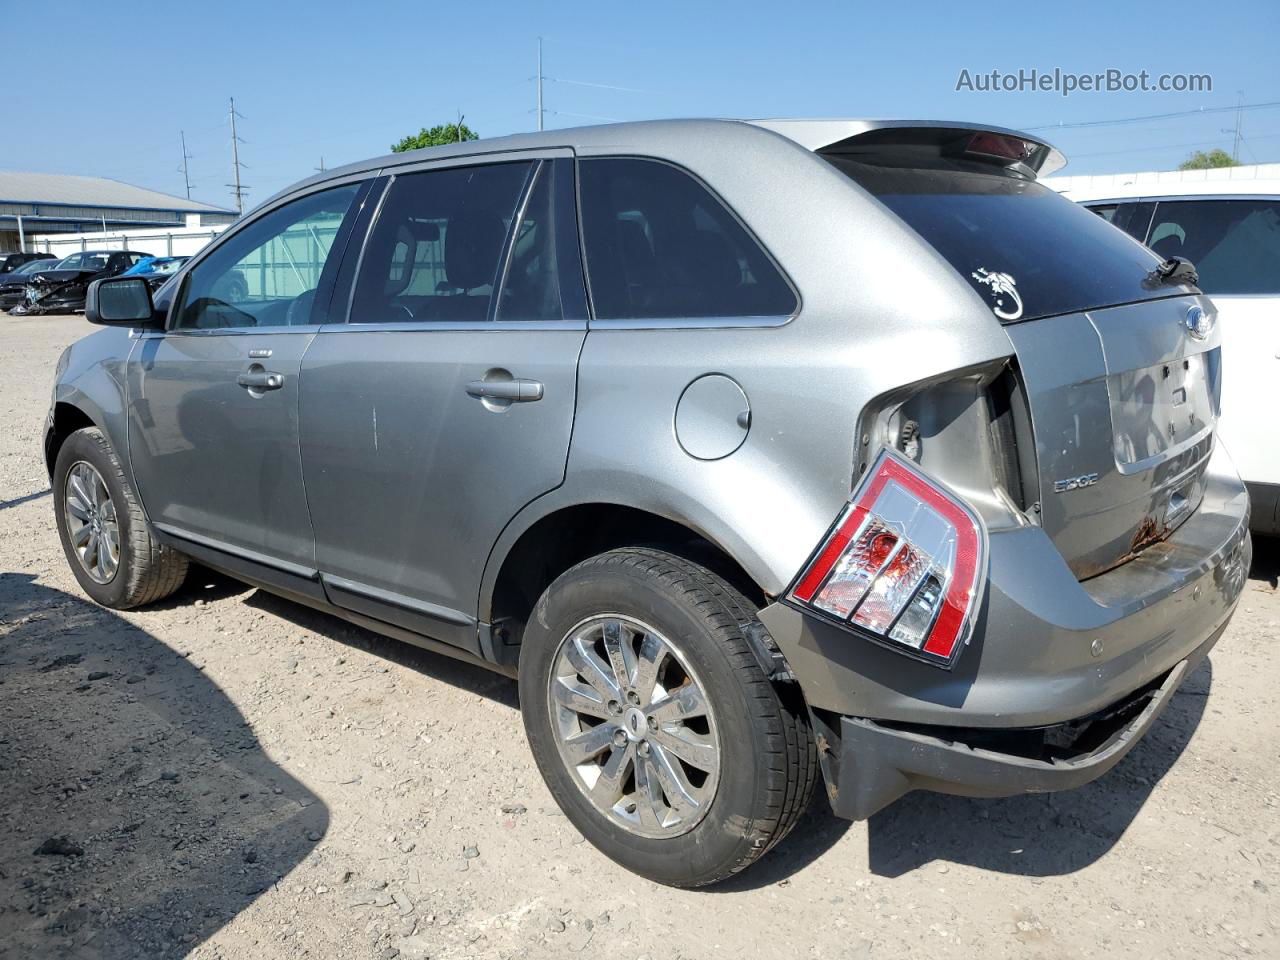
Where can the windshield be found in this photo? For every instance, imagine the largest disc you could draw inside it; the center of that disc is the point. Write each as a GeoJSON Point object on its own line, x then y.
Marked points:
{"type": "Point", "coordinates": [36, 265]}
{"type": "Point", "coordinates": [85, 261]}
{"type": "Point", "coordinates": [166, 265]}
{"type": "Point", "coordinates": [1025, 250]}
{"type": "Point", "coordinates": [142, 266]}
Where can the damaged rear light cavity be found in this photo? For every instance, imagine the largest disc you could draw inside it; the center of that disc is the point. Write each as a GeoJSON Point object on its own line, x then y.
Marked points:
{"type": "Point", "coordinates": [904, 564]}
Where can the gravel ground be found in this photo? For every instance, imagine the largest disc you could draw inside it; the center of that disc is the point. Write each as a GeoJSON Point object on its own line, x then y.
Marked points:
{"type": "Point", "coordinates": [230, 775]}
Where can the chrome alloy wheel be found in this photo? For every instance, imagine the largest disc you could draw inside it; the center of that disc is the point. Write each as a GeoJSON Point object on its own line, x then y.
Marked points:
{"type": "Point", "coordinates": [634, 726]}
{"type": "Point", "coordinates": [92, 524]}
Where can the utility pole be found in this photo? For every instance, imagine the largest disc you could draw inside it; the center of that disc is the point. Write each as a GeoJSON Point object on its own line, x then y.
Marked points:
{"type": "Point", "coordinates": [237, 190]}
{"type": "Point", "coordinates": [1235, 150]}
{"type": "Point", "coordinates": [186, 178]}
{"type": "Point", "coordinates": [539, 83]}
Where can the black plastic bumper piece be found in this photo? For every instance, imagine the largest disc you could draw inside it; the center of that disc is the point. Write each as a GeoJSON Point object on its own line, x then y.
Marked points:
{"type": "Point", "coordinates": [868, 765]}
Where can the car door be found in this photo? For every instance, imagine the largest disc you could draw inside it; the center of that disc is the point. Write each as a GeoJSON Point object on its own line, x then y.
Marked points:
{"type": "Point", "coordinates": [1235, 246]}
{"type": "Point", "coordinates": [445, 403]}
{"type": "Point", "coordinates": [213, 399]}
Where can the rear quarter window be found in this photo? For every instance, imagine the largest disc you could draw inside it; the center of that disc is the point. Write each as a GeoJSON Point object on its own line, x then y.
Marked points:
{"type": "Point", "coordinates": [660, 245]}
{"type": "Point", "coordinates": [1027, 252]}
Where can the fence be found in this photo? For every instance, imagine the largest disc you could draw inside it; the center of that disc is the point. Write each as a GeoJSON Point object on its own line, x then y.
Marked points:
{"type": "Point", "coordinates": [174, 242]}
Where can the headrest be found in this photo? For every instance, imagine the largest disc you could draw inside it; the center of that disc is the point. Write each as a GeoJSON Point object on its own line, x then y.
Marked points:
{"type": "Point", "coordinates": [472, 243]}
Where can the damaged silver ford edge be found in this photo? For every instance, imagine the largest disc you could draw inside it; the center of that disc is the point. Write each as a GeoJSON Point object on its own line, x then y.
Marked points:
{"type": "Point", "coordinates": [757, 452]}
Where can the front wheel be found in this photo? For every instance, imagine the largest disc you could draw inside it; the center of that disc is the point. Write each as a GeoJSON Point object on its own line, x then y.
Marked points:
{"type": "Point", "coordinates": [104, 532]}
{"type": "Point", "coordinates": [652, 722]}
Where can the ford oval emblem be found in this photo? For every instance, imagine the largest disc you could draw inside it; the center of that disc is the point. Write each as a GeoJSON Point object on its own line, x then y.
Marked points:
{"type": "Point", "coordinates": [1199, 324]}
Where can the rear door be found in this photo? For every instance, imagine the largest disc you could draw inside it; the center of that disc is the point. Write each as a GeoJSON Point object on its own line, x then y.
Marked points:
{"type": "Point", "coordinates": [445, 403]}
{"type": "Point", "coordinates": [1235, 245]}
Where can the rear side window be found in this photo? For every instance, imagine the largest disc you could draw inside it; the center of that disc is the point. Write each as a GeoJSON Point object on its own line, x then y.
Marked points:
{"type": "Point", "coordinates": [436, 252]}
{"type": "Point", "coordinates": [1235, 244]}
{"type": "Point", "coordinates": [1025, 250]}
{"type": "Point", "coordinates": [659, 245]}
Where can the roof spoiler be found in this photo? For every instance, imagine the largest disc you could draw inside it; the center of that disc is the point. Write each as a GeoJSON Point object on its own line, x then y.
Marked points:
{"type": "Point", "coordinates": [1017, 152]}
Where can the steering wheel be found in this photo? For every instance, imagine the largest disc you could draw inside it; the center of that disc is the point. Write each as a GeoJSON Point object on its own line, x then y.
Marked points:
{"type": "Point", "coordinates": [299, 311]}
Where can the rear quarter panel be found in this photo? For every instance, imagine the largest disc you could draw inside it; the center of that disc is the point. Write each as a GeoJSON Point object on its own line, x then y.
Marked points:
{"type": "Point", "coordinates": [879, 309]}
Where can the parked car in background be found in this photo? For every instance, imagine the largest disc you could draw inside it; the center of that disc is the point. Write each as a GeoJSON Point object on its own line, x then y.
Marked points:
{"type": "Point", "coordinates": [61, 289]}
{"type": "Point", "coordinates": [871, 478]}
{"type": "Point", "coordinates": [1230, 231]}
{"type": "Point", "coordinates": [12, 261]}
{"type": "Point", "coordinates": [156, 270]}
{"type": "Point", "coordinates": [13, 285]}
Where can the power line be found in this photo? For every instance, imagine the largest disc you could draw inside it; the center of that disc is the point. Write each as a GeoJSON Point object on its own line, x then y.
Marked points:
{"type": "Point", "coordinates": [602, 86]}
{"type": "Point", "coordinates": [1202, 111]}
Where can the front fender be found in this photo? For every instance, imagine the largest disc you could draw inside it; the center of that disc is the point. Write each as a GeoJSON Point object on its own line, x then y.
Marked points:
{"type": "Point", "coordinates": [91, 381]}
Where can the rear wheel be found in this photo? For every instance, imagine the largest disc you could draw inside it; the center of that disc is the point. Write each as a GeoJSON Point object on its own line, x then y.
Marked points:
{"type": "Point", "coordinates": [104, 532]}
{"type": "Point", "coordinates": [653, 723]}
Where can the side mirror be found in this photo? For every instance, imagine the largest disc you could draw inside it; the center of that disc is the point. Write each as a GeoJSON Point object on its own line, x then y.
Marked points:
{"type": "Point", "coordinates": [120, 302]}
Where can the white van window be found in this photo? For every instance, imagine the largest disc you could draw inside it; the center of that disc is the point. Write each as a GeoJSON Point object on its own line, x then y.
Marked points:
{"type": "Point", "coordinates": [1235, 244]}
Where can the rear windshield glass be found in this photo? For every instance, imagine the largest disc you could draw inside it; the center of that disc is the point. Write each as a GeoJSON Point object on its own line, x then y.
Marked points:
{"type": "Point", "coordinates": [1027, 251]}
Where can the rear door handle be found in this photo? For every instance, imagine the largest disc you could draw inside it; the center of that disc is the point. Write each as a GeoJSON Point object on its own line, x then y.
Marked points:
{"type": "Point", "coordinates": [261, 380]}
{"type": "Point", "coordinates": [513, 391]}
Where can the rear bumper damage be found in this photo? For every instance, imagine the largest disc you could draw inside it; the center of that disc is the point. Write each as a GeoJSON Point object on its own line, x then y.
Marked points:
{"type": "Point", "coordinates": [868, 765]}
{"type": "Point", "coordinates": [1060, 679]}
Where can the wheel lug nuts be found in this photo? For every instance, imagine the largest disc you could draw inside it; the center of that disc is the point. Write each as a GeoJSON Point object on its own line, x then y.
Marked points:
{"type": "Point", "coordinates": [653, 723]}
{"type": "Point", "coordinates": [643, 748]}
{"type": "Point", "coordinates": [633, 698]}
{"type": "Point", "coordinates": [619, 739]}
{"type": "Point", "coordinates": [615, 707]}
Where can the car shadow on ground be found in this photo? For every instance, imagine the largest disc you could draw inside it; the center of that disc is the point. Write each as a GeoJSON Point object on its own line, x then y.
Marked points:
{"type": "Point", "coordinates": [138, 812]}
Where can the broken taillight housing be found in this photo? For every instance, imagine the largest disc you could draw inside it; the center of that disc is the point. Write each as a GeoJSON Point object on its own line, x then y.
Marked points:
{"type": "Point", "coordinates": [904, 564]}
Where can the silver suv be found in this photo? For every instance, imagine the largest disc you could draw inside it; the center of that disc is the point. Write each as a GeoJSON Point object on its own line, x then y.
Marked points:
{"type": "Point", "coordinates": [754, 450]}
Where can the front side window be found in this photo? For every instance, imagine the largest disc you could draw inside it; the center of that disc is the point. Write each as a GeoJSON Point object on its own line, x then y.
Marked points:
{"type": "Point", "coordinates": [659, 245]}
{"type": "Point", "coordinates": [436, 252]}
{"type": "Point", "coordinates": [266, 274]}
{"type": "Point", "coordinates": [85, 261]}
{"type": "Point", "coordinates": [1234, 244]}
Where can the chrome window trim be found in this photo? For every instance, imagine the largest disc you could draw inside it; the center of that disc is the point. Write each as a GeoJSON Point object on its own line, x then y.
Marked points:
{"type": "Point", "coordinates": [692, 323]}
{"type": "Point", "coordinates": [426, 326]}
{"type": "Point", "coordinates": [1178, 197]}
{"type": "Point", "coordinates": [273, 331]}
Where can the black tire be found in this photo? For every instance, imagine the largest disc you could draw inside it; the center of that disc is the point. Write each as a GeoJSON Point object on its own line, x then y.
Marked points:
{"type": "Point", "coordinates": [147, 571]}
{"type": "Point", "coordinates": [768, 759]}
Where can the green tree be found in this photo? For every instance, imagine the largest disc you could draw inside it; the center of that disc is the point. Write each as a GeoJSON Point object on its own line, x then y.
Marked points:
{"type": "Point", "coordinates": [1207, 161]}
{"type": "Point", "coordinates": [437, 135]}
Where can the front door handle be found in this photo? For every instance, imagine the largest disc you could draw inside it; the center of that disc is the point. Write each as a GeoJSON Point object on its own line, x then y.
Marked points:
{"type": "Point", "coordinates": [261, 380]}
{"type": "Point", "coordinates": [512, 391]}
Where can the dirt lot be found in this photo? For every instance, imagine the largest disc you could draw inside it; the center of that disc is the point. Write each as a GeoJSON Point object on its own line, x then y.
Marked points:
{"type": "Point", "coordinates": [230, 775]}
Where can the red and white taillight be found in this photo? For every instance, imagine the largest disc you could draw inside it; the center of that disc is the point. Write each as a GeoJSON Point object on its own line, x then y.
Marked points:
{"type": "Point", "coordinates": [904, 564]}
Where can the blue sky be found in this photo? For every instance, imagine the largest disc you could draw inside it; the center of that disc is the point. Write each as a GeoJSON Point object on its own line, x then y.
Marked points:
{"type": "Point", "coordinates": [343, 81]}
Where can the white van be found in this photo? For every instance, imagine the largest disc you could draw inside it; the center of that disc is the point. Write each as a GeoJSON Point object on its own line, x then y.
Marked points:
{"type": "Point", "coordinates": [1230, 230]}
